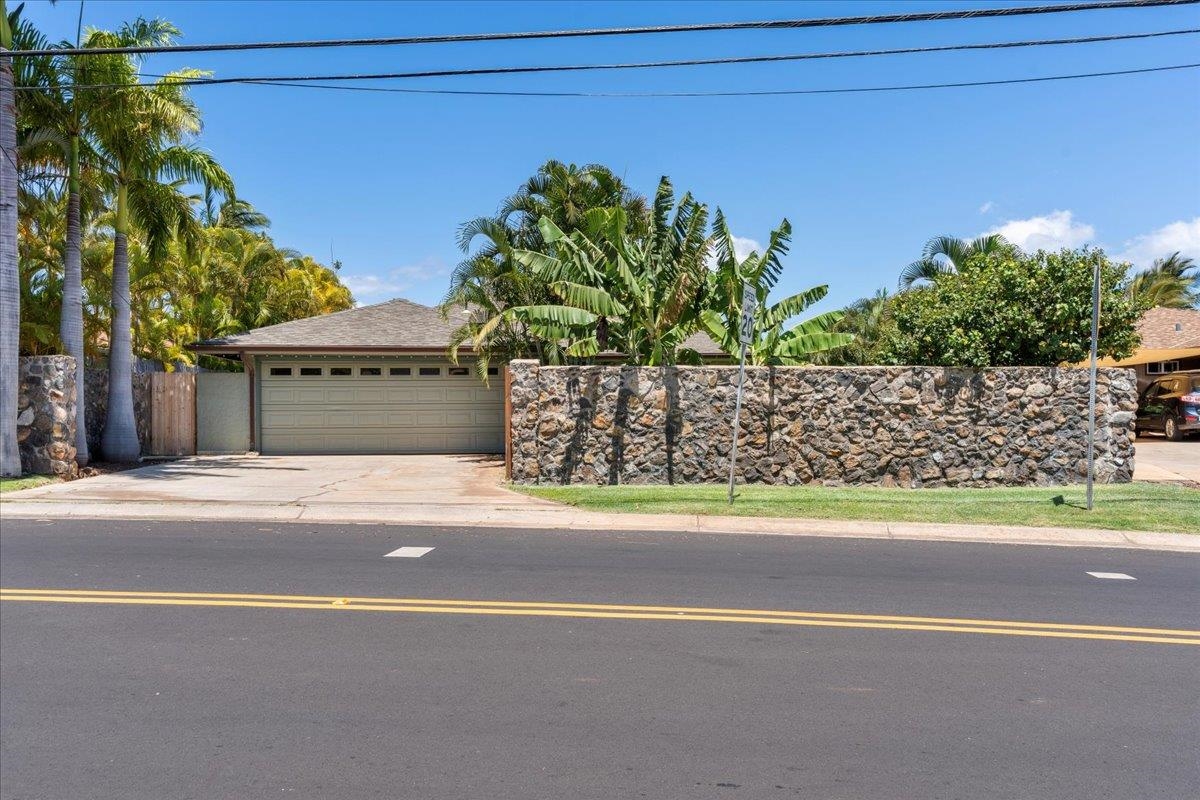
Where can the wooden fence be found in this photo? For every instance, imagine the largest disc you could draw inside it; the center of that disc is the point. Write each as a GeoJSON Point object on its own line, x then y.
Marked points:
{"type": "Point", "coordinates": [172, 414]}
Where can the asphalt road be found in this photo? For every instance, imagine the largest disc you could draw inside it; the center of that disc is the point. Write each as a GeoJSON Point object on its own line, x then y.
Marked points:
{"type": "Point", "coordinates": [134, 700]}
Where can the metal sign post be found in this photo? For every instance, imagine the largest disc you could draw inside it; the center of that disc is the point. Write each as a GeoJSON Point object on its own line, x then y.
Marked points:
{"type": "Point", "coordinates": [1091, 450]}
{"type": "Point", "coordinates": [745, 334]}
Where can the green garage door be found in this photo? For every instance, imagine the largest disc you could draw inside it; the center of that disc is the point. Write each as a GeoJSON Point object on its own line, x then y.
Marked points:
{"type": "Point", "coordinates": [378, 407]}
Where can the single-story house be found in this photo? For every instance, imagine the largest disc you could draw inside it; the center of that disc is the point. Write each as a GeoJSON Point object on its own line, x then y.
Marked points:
{"type": "Point", "coordinates": [1170, 342]}
{"type": "Point", "coordinates": [373, 379]}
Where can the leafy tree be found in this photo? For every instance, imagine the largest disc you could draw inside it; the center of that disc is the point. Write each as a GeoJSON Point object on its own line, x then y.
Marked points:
{"type": "Point", "coordinates": [1173, 282]}
{"type": "Point", "coordinates": [1011, 309]}
{"type": "Point", "coordinates": [771, 343]}
{"type": "Point", "coordinates": [638, 296]}
{"type": "Point", "coordinates": [947, 254]}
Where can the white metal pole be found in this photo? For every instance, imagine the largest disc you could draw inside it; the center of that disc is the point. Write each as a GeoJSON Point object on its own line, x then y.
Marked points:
{"type": "Point", "coordinates": [737, 413]}
{"type": "Point", "coordinates": [1091, 449]}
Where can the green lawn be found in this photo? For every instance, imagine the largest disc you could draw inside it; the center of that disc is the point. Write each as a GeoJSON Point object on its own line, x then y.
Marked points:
{"type": "Point", "coordinates": [25, 482]}
{"type": "Point", "coordinates": [1138, 506]}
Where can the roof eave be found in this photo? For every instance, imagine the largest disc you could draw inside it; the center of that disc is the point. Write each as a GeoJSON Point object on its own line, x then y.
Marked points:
{"type": "Point", "coordinates": [259, 349]}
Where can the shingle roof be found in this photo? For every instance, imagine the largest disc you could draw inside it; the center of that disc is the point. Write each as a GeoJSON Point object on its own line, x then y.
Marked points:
{"type": "Point", "coordinates": [394, 325]}
{"type": "Point", "coordinates": [1158, 328]}
{"type": "Point", "coordinates": [399, 323]}
{"type": "Point", "coordinates": [703, 344]}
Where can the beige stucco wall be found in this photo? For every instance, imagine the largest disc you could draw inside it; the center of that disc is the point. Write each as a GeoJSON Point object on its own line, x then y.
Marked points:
{"type": "Point", "coordinates": [222, 412]}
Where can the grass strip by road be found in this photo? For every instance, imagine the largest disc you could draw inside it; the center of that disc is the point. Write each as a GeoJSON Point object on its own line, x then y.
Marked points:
{"type": "Point", "coordinates": [608, 611]}
{"type": "Point", "coordinates": [24, 482]}
{"type": "Point", "coordinates": [1127, 507]}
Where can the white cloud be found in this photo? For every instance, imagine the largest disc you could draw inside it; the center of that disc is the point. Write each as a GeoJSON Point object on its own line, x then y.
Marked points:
{"type": "Point", "coordinates": [376, 287]}
{"type": "Point", "coordinates": [1182, 236]}
{"type": "Point", "coordinates": [1053, 231]}
{"type": "Point", "coordinates": [986, 207]}
{"type": "Point", "coordinates": [743, 247]}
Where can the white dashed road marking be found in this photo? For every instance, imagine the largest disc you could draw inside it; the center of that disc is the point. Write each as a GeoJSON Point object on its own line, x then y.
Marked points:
{"type": "Point", "coordinates": [408, 552]}
{"type": "Point", "coordinates": [1112, 576]}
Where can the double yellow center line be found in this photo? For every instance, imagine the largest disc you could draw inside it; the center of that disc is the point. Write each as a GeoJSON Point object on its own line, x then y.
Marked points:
{"type": "Point", "coordinates": [603, 611]}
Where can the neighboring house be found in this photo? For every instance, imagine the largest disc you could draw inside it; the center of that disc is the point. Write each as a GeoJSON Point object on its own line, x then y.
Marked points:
{"type": "Point", "coordinates": [1170, 342]}
{"type": "Point", "coordinates": [374, 379]}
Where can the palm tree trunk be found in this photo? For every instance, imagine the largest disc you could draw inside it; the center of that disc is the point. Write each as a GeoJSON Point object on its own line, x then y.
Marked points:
{"type": "Point", "coordinates": [10, 287]}
{"type": "Point", "coordinates": [71, 327]}
{"type": "Point", "coordinates": [119, 441]}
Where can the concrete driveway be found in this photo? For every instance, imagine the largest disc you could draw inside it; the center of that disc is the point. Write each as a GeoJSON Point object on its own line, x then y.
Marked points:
{"type": "Point", "coordinates": [1156, 459]}
{"type": "Point", "coordinates": [291, 481]}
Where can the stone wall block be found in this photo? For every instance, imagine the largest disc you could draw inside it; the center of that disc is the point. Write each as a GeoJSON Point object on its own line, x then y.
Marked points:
{"type": "Point", "coordinates": [887, 426]}
{"type": "Point", "coordinates": [46, 407]}
{"type": "Point", "coordinates": [95, 407]}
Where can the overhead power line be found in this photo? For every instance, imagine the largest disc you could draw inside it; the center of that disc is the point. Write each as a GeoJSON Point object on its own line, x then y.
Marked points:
{"type": "Point", "coordinates": [749, 93]}
{"type": "Point", "coordinates": [635, 65]}
{"type": "Point", "coordinates": [787, 24]}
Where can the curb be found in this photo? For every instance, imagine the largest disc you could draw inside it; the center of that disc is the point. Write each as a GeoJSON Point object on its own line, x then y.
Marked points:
{"type": "Point", "coordinates": [569, 518]}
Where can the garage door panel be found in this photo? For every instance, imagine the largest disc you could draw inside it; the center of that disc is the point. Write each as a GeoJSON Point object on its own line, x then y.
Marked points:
{"type": "Point", "coordinates": [388, 413]}
{"type": "Point", "coordinates": [285, 395]}
{"type": "Point", "coordinates": [397, 394]}
{"type": "Point", "coordinates": [373, 395]}
{"type": "Point", "coordinates": [285, 418]}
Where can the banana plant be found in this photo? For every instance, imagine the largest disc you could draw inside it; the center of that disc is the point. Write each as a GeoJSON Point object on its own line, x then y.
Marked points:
{"type": "Point", "coordinates": [771, 342]}
{"type": "Point", "coordinates": [637, 296]}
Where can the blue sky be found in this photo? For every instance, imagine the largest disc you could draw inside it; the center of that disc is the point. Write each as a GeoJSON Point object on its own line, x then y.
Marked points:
{"type": "Point", "coordinates": [385, 179]}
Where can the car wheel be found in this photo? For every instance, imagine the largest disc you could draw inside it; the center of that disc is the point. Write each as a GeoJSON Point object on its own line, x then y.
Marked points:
{"type": "Point", "coordinates": [1171, 429]}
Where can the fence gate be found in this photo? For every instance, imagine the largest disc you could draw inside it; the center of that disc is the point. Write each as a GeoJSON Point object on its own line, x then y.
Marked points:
{"type": "Point", "coordinates": [222, 412]}
{"type": "Point", "coordinates": [172, 414]}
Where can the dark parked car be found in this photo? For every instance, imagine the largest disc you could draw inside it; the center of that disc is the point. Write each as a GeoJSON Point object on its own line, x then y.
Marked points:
{"type": "Point", "coordinates": [1171, 405]}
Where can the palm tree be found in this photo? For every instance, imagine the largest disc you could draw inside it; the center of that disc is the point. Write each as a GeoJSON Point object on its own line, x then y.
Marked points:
{"type": "Point", "coordinates": [637, 296]}
{"type": "Point", "coordinates": [141, 134]}
{"type": "Point", "coordinates": [770, 342]}
{"type": "Point", "coordinates": [10, 289]}
{"type": "Point", "coordinates": [56, 121]}
{"type": "Point", "coordinates": [306, 289]}
{"type": "Point", "coordinates": [565, 193]}
{"type": "Point", "coordinates": [946, 254]}
{"type": "Point", "coordinates": [1171, 282]}
{"type": "Point", "coordinates": [490, 280]}
{"type": "Point", "coordinates": [51, 137]}
{"type": "Point", "coordinates": [232, 212]}
{"type": "Point", "coordinates": [40, 223]}
{"type": "Point", "coordinates": [869, 320]}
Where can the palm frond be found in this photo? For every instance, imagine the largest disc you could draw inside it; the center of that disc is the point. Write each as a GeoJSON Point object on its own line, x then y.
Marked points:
{"type": "Point", "coordinates": [924, 269]}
